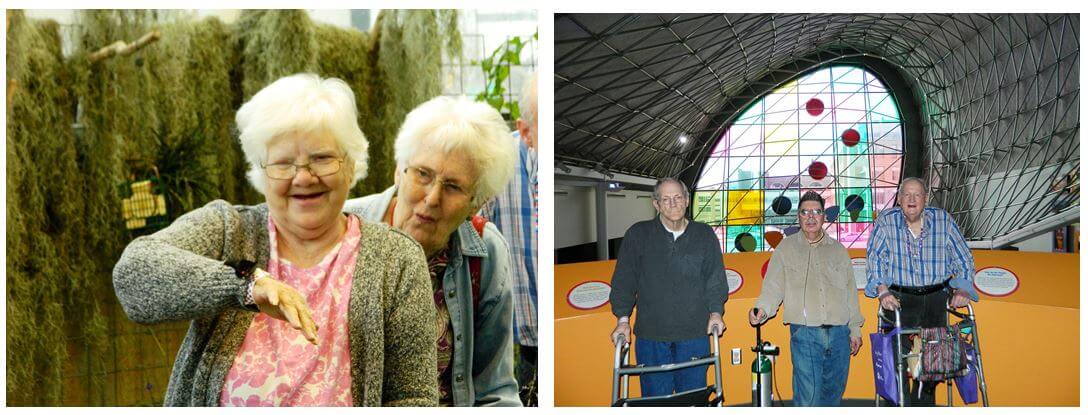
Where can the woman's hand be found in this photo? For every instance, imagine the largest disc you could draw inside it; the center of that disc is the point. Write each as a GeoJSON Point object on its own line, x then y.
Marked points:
{"type": "Point", "coordinates": [283, 302]}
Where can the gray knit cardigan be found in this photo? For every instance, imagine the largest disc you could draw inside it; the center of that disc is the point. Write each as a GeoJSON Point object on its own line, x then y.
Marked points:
{"type": "Point", "coordinates": [178, 273]}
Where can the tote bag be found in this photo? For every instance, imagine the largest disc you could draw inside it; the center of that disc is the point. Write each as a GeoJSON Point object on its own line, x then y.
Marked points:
{"type": "Point", "coordinates": [883, 345]}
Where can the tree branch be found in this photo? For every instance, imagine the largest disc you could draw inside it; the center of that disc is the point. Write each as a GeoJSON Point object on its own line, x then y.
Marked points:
{"type": "Point", "coordinates": [123, 49]}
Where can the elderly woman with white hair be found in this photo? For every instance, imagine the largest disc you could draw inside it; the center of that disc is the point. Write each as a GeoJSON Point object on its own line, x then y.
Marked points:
{"type": "Point", "coordinates": [452, 156]}
{"type": "Point", "coordinates": [291, 302]}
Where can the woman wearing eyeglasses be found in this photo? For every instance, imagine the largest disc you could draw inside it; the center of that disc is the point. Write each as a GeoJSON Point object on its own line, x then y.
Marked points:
{"type": "Point", "coordinates": [452, 156]}
{"type": "Point", "coordinates": [292, 302]}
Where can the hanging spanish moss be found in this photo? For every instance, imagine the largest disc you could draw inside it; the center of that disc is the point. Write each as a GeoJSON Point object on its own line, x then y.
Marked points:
{"type": "Point", "coordinates": [345, 54]}
{"type": "Point", "coordinates": [50, 294]}
{"type": "Point", "coordinates": [210, 62]}
{"type": "Point", "coordinates": [274, 44]}
{"type": "Point", "coordinates": [408, 69]}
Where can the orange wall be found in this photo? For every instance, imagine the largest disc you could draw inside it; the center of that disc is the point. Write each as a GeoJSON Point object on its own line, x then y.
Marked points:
{"type": "Point", "coordinates": [1036, 326]}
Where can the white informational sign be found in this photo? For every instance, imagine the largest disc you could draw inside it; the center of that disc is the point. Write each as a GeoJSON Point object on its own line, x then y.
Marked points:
{"type": "Point", "coordinates": [996, 282]}
{"type": "Point", "coordinates": [589, 295]}
{"type": "Point", "coordinates": [859, 272]}
{"type": "Point", "coordinates": [735, 280]}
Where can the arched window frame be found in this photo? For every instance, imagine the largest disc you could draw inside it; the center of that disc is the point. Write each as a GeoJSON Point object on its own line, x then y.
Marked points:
{"type": "Point", "coordinates": [897, 87]}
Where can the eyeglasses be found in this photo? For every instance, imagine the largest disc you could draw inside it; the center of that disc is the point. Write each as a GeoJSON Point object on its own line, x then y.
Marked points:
{"type": "Point", "coordinates": [425, 178]}
{"type": "Point", "coordinates": [319, 166]}
{"type": "Point", "coordinates": [811, 212]}
{"type": "Point", "coordinates": [675, 200]}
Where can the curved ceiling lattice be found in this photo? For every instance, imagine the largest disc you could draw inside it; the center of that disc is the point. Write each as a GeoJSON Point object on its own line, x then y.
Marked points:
{"type": "Point", "coordinates": [997, 95]}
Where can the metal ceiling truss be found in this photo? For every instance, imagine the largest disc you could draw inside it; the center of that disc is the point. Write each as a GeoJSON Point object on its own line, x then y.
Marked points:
{"type": "Point", "coordinates": [997, 97]}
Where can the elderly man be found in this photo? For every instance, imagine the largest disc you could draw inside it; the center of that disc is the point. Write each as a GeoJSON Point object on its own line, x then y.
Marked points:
{"type": "Point", "coordinates": [919, 262]}
{"type": "Point", "coordinates": [672, 268]}
{"type": "Point", "coordinates": [514, 212]}
{"type": "Point", "coordinates": [811, 273]}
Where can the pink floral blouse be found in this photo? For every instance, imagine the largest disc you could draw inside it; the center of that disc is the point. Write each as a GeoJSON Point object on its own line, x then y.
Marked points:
{"type": "Point", "coordinates": [276, 366]}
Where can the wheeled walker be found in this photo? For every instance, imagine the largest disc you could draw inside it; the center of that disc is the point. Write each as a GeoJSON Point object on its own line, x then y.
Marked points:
{"type": "Point", "coordinates": [710, 395]}
{"type": "Point", "coordinates": [965, 329]}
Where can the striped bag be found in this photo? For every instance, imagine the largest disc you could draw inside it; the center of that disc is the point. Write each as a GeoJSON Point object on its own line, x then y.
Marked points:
{"type": "Point", "coordinates": [943, 355]}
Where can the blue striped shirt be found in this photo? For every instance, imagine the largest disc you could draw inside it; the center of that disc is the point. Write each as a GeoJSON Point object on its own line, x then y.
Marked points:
{"type": "Point", "coordinates": [512, 211]}
{"type": "Point", "coordinates": [895, 256]}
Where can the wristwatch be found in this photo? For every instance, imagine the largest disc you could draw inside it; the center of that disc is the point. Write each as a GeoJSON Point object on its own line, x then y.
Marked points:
{"type": "Point", "coordinates": [247, 270]}
{"type": "Point", "coordinates": [243, 269]}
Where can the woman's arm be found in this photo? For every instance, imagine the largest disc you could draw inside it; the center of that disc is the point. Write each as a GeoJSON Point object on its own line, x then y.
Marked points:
{"type": "Point", "coordinates": [493, 343]}
{"type": "Point", "coordinates": [410, 376]}
{"type": "Point", "coordinates": [176, 273]}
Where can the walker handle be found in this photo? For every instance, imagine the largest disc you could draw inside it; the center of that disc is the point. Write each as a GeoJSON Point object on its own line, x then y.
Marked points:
{"type": "Point", "coordinates": [970, 311]}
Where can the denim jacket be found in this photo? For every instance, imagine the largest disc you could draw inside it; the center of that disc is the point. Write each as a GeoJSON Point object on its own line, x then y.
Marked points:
{"type": "Point", "coordinates": [483, 359]}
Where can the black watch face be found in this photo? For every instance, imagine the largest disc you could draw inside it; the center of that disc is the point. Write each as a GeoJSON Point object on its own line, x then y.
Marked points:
{"type": "Point", "coordinates": [243, 269]}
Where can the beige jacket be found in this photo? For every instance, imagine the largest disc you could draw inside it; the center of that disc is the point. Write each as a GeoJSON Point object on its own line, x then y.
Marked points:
{"type": "Point", "coordinates": [815, 281]}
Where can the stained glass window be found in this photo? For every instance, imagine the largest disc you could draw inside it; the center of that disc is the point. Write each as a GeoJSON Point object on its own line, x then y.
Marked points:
{"type": "Point", "coordinates": [836, 131]}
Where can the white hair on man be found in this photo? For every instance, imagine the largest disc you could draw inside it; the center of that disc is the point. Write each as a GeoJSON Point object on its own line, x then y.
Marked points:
{"type": "Point", "coordinates": [662, 181]}
{"type": "Point", "coordinates": [446, 124]}
{"type": "Point", "coordinates": [300, 104]}
{"type": "Point", "coordinates": [527, 103]}
{"type": "Point", "coordinates": [915, 180]}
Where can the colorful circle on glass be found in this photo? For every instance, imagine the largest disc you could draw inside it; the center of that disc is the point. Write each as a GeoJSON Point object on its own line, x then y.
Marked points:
{"type": "Point", "coordinates": [855, 215]}
{"type": "Point", "coordinates": [851, 137]}
{"type": "Point", "coordinates": [781, 205]}
{"type": "Point", "coordinates": [791, 230]}
{"type": "Point", "coordinates": [814, 107]}
{"type": "Point", "coordinates": [773, 238]}
{"type": "Point", "coordinates": [745, 242]}
{"type": "Point", "coordinates": [817, 170]}
{"type": "Point", "coordinates": [832, 213]}
{"type": "Point", "coordinates": [854, 203]}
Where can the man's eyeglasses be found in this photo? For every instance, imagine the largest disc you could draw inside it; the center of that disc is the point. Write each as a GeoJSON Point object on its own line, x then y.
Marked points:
{"type": "Point", "coordinates": [425, 178]}
{"type": "Point", "coordinates": [672, 201]}
{"type": "Point", "coordinates": [811, 212]}
{"type": "Point", "coordinates": [319, 166]}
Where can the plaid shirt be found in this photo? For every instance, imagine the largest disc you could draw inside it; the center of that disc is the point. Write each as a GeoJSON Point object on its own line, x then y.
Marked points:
{"type": "Point", "coordinates": [514, 212]}
{"type": "Point", "coordinates": [895, 256]}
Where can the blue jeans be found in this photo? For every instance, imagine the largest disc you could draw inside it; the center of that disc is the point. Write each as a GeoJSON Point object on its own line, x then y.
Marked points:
{"type": "Point", "coordinates": [821, 362]}
{"type": "Point", "coordinates": [655, 353]}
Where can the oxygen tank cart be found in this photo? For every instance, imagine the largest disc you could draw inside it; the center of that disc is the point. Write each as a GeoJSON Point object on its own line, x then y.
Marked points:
{"type": "Point", "coordinates": [762, 375]}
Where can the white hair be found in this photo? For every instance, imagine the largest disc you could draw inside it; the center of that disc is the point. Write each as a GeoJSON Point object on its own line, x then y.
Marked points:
{"type": "Point", "coordinates": [445, 124]}
{"type": "Point", "coordinates": [662, 181]}
{"type": "Point", "coordinates": [300, 103]}
{"type": "Point", "coordinates": [915, 180]}
{"type": "Point", "coordinates": [527, 103]}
